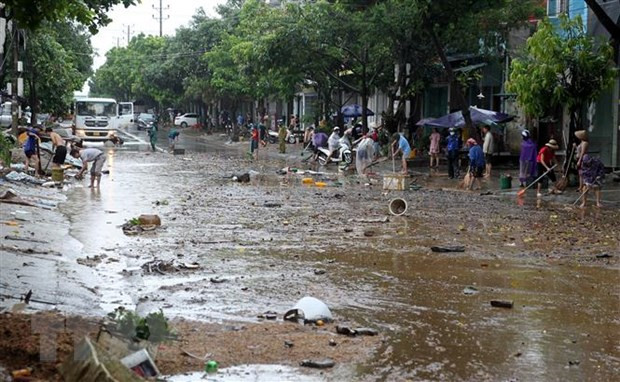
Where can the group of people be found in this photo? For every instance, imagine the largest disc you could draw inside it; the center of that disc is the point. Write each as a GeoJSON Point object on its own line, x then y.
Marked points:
{"type": "Point", "coordinates": [60, 147]}
{"type": "Point", "coordinates": [173, 136]}
{"type": "Point", "coordinates": [541, 163]}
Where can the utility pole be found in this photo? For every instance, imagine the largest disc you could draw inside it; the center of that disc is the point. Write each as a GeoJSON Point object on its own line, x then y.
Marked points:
{"type": "Point", "coordinates": [129, 34]}
{"type": "Point", "coordinates": [161, 17]}
{"type": "Point", "coordinates": [14, 106]}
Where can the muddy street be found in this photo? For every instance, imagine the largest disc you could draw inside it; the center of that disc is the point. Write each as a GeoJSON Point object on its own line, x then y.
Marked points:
{"type": "Point", "coordinates": [228, 252]}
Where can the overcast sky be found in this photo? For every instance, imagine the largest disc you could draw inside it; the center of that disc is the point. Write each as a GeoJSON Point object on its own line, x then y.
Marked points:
{"type": "Point", "coordinates": [140, 20]}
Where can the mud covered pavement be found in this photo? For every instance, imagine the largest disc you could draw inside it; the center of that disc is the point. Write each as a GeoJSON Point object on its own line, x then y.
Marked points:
{"type": "Point", "coordinates": [228, 252]}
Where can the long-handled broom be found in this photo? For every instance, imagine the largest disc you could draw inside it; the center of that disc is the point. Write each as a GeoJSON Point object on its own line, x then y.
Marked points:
{"type": "Point", "coordinates": [522, 192]}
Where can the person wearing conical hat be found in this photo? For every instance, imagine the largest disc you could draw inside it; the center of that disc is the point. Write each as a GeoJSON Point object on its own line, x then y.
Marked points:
{"type": "Point", "coordinates": [581, 151]}
{"type": "Point", "coordinates": [545, 161]}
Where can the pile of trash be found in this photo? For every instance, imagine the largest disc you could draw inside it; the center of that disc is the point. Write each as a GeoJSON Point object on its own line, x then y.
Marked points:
{"type": "Point", "coordinates": [164, 267]}
{"type": "Point", "coordinates": [141, 224]}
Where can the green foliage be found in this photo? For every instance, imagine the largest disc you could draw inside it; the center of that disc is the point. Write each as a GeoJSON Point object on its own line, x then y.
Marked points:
{"type": "Point", "coordinates": [563, 67]}
{"type": "Point", "coordinates": [31, 14]}
{"type": "Point", "coordinates": [154, 327]}
{"type": "Point", "coordinates": [57, 62]}
{"type": "Point", "coordinates": [5, 150]}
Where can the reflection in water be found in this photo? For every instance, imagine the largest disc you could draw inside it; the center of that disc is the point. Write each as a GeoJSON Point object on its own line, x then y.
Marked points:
{"type": "Point", "coordinates": [389, 281]}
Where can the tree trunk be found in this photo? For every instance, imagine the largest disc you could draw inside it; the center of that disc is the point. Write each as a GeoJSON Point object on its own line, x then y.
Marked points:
{"type": "Point", "coordinates": [450, 73]}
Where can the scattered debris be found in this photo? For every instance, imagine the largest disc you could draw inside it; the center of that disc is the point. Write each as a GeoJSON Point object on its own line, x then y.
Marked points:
{"type": "Point", "coordinates": [91, 261]}
{"type": "Point", "coordinates": [11, 197]}
{"type": "Point", "coordinates": [268, 315]}
{"type": "Point", "coordinates": [502, 304]}
{"type": "Point", "coordinates": [322, 364]}
{"type": "Point", "coordinates": [574, 363]}
{"type": "Point", "coordinates": [242, 178]}
{"type": "Point", "coordinates": [288, 344]}
{"type": "Point", "coordinates": [369, 233]}
{"type": "Point", "coordinates": [28, 239]}
{"type": "Point", "coordinates": [89, 362]}
{"type": "Point", "coordinates": [319, 272]}
{"type": "Point", "coordinates": [15, 176]}
{"type": "Point", "coordinates": [381, 220]}
{"type": "Point", "coordinates": [468, 291]}
{"type": "Point", "coordinates": [309, 309]}
{"type": "Point", "coordinates": [141, 363]}
{"type": "Point", "coordinates": [204, 358]}
{"type": "Point", "coordinates": [332, 342]}
{"type": "Point", "coordinates": [164, 267]}
{"type": "Point", "coordinates": [347, 331]}
{"type": "Point", "coordinates": [604, 256]}
{"type": "Point", "coordinates": [454, 248]}
{"type": "Point", "coordinates": [217, 280]}
{"type": "Point", "coordinates": [148, 220]}
{"type": "Point", "coordinates": [272, 204]}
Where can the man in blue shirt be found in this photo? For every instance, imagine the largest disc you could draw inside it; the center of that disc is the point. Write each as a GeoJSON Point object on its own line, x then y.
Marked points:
{"type": "Point", "coordinates": [453, 147]}
{"type": "Point", "coordinates": [30, 147]}
{"type": "Point", "coordinates": [401, 145]}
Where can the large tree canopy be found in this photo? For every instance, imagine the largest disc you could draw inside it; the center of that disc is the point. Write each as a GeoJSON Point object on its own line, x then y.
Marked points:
{"type": "Point", "coordinates": [30, 14]}
{"type": "Point", "coordinates": [564, 67]}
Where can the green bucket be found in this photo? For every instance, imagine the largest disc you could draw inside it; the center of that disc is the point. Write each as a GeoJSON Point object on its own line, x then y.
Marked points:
{"type": "Point", "coordinates": [505, 182]}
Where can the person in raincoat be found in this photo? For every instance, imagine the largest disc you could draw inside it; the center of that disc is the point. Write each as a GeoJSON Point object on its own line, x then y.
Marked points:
{"type": "Point", "coordinates": [282, 133]}
{"type": "Point", "coordinates": [364, 155]}
{"type": "Point", "coordinates": [527, 160]}
{"type": "Point", "coordinates": [153, 135]}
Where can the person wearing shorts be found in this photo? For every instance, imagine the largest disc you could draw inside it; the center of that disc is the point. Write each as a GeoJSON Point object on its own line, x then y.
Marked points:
{"type": "Point", "coordinates": [400, 144]}
{"type": "Point", "coordinates": [97, 160]}
{"type": "Point", "coordinates": [476, 163]}
{"type": "Point", "coordinates": [544, 162]}
{"type": "Point", "coordinates": [30, 147]}
{"type": "Point", "coordinates": [59, 146]}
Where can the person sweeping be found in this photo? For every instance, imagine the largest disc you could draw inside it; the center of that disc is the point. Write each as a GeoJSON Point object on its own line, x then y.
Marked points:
{"type": "Point", "coordinates": [545, 160]}
{"type": "Point", "coordinates": [593, 173]}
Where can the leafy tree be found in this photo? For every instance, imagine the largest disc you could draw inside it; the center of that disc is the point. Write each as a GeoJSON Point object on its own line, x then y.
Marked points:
{"type": "Point", "coordinates": [564, 67]}
{"type": "Point", "coordinates": [31, 14]}
{"type": "Point", "coordinates": [479, 26]}
{"type": "Point", "coordinates": [57, 63]}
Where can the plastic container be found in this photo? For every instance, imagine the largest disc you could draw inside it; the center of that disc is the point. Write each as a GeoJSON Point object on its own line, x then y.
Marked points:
{"type": "Point", "coordinates": [211, 366]}
{"type": "Point", "coordinates": [397, 206]}
{"type": "Point", "coordinates": [307, 181]}
{"type": "Point", "coordinates": [58, 175]}
{"type": "Point", "coordinates": [505, 182]}
{"type": "Point", "coordinates": [320, 184]}
{"type": "Point", "coordinates": [395, 182]}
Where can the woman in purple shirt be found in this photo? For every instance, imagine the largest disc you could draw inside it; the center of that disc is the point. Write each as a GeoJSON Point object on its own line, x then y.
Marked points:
{"type": "Point", "coordinates": [527, 160]}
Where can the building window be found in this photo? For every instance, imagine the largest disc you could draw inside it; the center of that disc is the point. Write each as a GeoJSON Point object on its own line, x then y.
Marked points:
{"type": "Point", "coordinates": [557, 7]}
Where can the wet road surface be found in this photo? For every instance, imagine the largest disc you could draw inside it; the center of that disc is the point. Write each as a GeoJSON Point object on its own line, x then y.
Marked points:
{"type": "Point", "coordinates": [432, 307]}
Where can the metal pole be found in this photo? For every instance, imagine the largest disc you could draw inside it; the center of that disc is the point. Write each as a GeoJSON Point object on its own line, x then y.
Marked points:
{"type": "Point", "coordinates": [161, 17]}
{"type": "Point", "coordinates": [128, 34]}
{"type": "Point", "coordinates": [15, 77]}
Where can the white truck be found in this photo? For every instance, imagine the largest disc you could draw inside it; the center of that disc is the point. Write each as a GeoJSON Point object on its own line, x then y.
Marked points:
{"type": "Point", "coordinates": [99, 118]}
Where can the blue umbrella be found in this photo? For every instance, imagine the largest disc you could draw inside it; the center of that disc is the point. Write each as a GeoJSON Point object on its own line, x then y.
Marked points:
{"type": "Point", "coordinates": [478, 116]}
{"type": "Point", "coordinates": [354, 110]}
